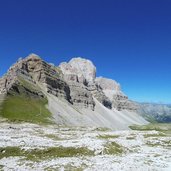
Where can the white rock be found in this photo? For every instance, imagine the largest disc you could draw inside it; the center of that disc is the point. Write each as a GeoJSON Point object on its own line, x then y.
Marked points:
{"type": "Point", "coordinates": [81, 67]}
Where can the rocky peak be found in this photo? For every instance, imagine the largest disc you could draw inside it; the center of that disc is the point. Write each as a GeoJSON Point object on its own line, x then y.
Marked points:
{"type": "Point", "coordinates": [112, 90]}
{"type": "Point", "coordinates": [27, 64]}
{"type": "Point", "coordinates": [34, 62]}
{"type": "Point", "coordinates": [34, 69]}
{"type": "Point", "coordinates": [78, 73]}
{"type": "Point", "coordinates": [32, 57]}
{"type": "Point", "coordinates": [84, 69]}
{"type": "Point", "coordinates": [110, 87]}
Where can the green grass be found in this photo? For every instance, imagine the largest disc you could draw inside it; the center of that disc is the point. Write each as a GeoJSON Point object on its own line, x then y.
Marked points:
{"type": "Point", "coordinates": [41, 154]}
{"type": "Point", "coordinates": [10, 151]}
{"type": "Point", "coordinates": [27, 109]}
{"type": "Point", "coordinates": [53, 152]}
{"type": "Point", "coordinates": [113, 149]}
{"type": "Point", "coordinates": [108, 136]}
{"type": "Point", "coordinates": [164, 127]}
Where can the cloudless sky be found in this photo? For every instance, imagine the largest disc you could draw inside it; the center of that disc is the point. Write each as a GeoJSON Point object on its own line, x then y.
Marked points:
{"type": "Point", "coordinates": [128, 40]}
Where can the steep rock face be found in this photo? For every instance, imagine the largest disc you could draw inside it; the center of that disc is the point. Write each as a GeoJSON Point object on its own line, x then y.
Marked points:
{"type": "Point", "coordinates": [81, 97]}
{"type": "Point", "coordinates": [49, 75]}
{"type": "Point", "coordinates": [113, 91]}
{"type": "Point", "coordinates": [82, 68]}
{"type": "Point", "coordinates": [79, 73]}
{"type": "Point", "coordinates": [18, 81]}
{"type": "Point", "coordinates": [34, 69]}
{"type": "Point", "coordinates": [11, 78]}
{"type": "Point", "coordinates": [98, 93]}
{"type": "Point", "coordinates": [121, 102]}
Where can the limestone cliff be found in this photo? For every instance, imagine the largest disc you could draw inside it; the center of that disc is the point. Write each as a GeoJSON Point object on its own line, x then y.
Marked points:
{"type": "Point", "coordinates": [112, 90]}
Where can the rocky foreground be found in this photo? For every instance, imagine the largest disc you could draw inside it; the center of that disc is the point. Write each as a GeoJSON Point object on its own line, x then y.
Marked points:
{"type": "Point", "coordinates": [27, 146]}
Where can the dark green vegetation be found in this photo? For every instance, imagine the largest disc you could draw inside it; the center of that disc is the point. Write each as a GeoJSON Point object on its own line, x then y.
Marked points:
{"type": "Point", "coordinates": [27, 109]}
{"type": "Point", "coordinates": [40, 154]}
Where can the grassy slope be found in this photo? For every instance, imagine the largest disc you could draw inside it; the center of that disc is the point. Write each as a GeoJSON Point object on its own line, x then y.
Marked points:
{"type": "Point", "coordinates": [28, 109]}
{"type": "Point", "coordinates": [25, 107]}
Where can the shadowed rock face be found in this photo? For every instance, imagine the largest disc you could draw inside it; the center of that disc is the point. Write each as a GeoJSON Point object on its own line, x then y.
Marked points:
{"type": "Point", "coordinates": [74, 81]}
{"type": "Point", "coordinates": [35, 70]}
{"type": "Point", "coordinates": [113, 91]}
{"type": "Point", "coordinates": [80, 75]}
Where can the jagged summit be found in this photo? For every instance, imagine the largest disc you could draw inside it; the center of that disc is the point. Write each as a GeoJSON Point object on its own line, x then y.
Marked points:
{"type": "Point", "coordinates": [75, 96]}
{"type": "Point", "coordinates": [83, 68]}
{"type": "Point", "coordinates": [33, 56]}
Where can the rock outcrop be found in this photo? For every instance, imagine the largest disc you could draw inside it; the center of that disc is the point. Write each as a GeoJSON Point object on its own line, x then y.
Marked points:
{"type": "Point", "coordinates": [84, 70]}
{"type": "Point", "coordinates": [35, 70]}
{"type": "Point", "coordinates": [113, 91]}
{"type": "Point", "coordinates": [79, 74]}
{"type": "Point", "coordinates": [98, 93]}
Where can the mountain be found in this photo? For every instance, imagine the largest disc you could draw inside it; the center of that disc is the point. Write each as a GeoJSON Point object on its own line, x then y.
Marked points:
{"type": "Point", "coordinates": [155, 112]}
{"type": "Point", "coordinates": [69, 94]}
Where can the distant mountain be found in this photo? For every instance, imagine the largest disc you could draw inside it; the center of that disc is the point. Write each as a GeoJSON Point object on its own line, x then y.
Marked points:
{"type": "Point", "coordinates": [71, 91]}
{"type": "Point", "coordinates": [155, 112]}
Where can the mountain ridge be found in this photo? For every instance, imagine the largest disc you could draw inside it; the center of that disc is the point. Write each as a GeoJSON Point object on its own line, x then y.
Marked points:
{"type": "Point", "coordinates": [75, 87]}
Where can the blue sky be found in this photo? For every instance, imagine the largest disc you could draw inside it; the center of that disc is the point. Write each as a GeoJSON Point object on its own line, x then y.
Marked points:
{"type": "Point", "coordinates": [128, 40]}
